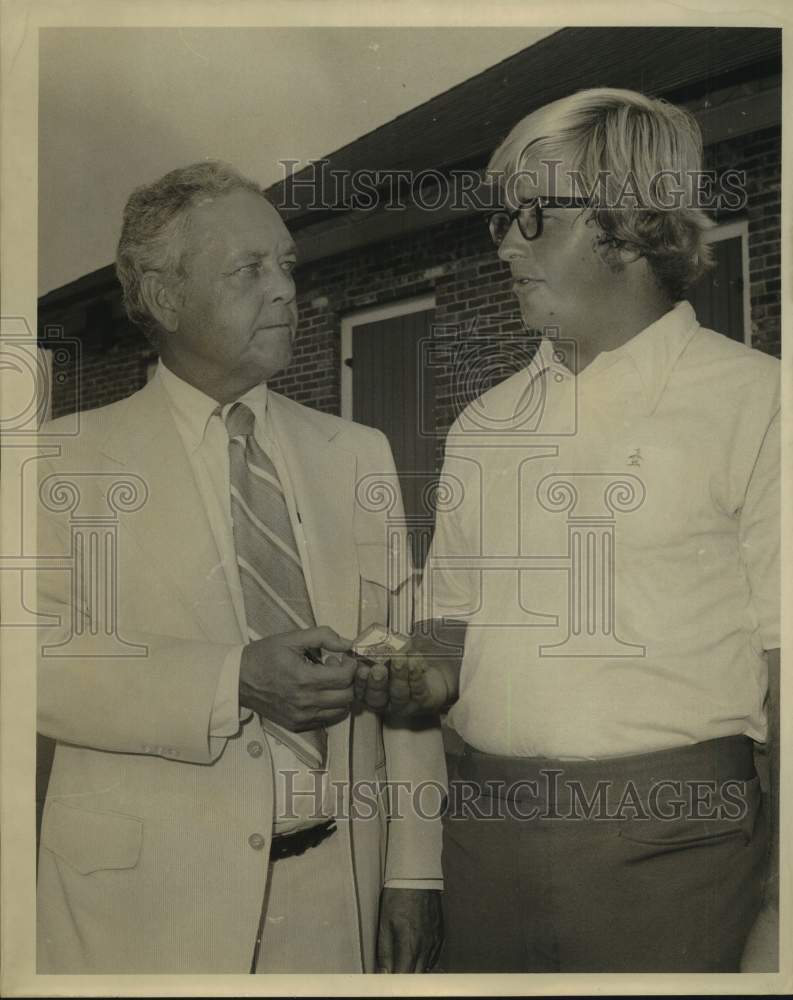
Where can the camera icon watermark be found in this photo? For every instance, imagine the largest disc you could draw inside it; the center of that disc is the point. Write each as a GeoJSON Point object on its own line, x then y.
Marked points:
{"type": "Point", "coordinates": [31, 370]}
{"type": "Point", "coordinates": [472, 362]}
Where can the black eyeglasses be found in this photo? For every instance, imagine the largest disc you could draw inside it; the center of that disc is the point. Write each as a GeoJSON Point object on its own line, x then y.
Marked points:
{"type": "Point", "coordinates": [529, 217]}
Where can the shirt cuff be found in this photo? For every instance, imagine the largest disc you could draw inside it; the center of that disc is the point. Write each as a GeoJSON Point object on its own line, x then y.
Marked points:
{"type": "Point", "coordinates": [414, 883]}
{"type": "Point", "coordinates": [225, 717]}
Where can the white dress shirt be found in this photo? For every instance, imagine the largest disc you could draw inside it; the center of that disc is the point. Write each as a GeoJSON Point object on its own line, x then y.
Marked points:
{"type": "Point", "coordinates": [612, 541]}
{"type": "Point", "coordinates": [205, 439]}
{"type": "Point", "coordinates": [206, 442]}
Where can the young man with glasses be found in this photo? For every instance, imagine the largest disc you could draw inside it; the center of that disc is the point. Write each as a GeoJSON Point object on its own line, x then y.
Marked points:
{"type": "Point", "coordinates": [602, 596]}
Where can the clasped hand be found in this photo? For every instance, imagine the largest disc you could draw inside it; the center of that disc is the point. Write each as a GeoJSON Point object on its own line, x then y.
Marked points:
{"type": "Point", "coordinates": [280, 683]}
{"type": "Point", "coordinates": [407, 684]}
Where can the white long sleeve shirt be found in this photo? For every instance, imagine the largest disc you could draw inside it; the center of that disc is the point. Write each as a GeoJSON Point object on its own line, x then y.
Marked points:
{"type": "Point", "coordinates": [615, 548]}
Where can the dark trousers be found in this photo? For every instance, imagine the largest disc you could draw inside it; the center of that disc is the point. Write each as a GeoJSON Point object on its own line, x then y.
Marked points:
{"type": "Point", "coordinates": [650, 863]}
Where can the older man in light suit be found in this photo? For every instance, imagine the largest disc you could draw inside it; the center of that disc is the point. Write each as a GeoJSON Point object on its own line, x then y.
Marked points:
{"type": "Point", "coordinates": [216, 802]}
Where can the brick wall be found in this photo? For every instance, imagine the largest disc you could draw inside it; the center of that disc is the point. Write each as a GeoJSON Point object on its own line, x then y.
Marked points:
{"type": "Point", "coordinates": [105, 375]}
{"type": "Point", "coordinates": [456, 261]}
{"type": "Point", "coordinates": [760, 155]}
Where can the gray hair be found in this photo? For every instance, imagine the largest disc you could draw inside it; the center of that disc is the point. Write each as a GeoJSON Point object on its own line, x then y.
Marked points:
{"type": "Point", "coordinates": [155, 224]}
{"type": "Point", "coordinates": [616, 134]}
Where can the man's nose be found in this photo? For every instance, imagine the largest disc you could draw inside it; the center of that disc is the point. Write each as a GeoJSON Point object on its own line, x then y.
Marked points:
{"type": "Point", "coordinates": [282, 286]}
{"type": "Point", "coordinates": [513, 245]}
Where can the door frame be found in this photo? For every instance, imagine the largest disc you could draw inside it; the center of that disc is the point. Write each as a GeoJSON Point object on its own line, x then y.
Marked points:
{"type": "Point", "coordinates": [729, 231]}
{"type": "Point", "coordinates": [403, 307]}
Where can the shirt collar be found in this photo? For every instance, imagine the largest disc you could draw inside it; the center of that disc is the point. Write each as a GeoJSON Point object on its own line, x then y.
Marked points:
{"type": "Point", "coordinates": [653, 353]}
{"type": "Point", "coordinates": [256, 399]}
{"type": "Point", "coordinates": [195, 408]}
{"type": "Point", "coordinates": [657, 348]}
{"type": "Point", "coordinates": [550, 356]}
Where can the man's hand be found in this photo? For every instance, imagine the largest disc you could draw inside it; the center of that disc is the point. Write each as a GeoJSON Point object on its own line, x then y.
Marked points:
{"type": "Point", "coordinates": [761, 951]}
{"type": "Point", "coordinates": [411, 930]}
{"type": "Point", "coordinates": [422, 679]}
{"type": "Point", "coordinates": [279, 683]}
{"type": "Point", "coordinates": [406, 684]}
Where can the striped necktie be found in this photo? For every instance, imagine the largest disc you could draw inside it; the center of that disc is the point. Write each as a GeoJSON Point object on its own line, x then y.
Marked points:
{"type": "Point", "coordinates": [271, 573]}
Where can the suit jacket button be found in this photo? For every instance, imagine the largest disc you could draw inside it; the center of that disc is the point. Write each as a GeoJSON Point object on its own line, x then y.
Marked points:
{"type": "Point", "coordinates": [255, 749]}
{"type": "Point", "coordinates": [256, 840]}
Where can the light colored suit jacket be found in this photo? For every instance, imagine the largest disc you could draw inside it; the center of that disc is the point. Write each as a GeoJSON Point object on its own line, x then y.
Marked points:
{"type": "Point", "coordinates": [148, 859]}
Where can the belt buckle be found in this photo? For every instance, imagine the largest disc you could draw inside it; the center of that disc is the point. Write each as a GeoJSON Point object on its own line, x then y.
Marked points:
{"type": "Point", "coordinates": [301, 846]}
{"type": "Point", "coordinates": [316, 834]}
{"type": "Point", "coordinates": [294, 845]}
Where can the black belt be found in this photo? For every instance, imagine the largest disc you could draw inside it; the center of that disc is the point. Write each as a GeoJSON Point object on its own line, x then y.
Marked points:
{"type": "Point", "coordinates": [290, 845]}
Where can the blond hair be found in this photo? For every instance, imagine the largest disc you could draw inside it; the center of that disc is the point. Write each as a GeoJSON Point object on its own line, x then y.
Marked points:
{"type": "Point", "coordinates": [638, 158]}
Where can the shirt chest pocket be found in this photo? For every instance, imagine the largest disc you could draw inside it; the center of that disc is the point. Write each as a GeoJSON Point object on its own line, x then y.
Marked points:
{"type": "Point", "coordinates": [91, 841]}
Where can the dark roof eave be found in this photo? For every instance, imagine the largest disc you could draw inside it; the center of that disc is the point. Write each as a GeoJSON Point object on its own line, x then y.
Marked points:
{"type": "Point", "coordinates": [96, 282]}
{"type": "Point", "coordinates": [467, 121]}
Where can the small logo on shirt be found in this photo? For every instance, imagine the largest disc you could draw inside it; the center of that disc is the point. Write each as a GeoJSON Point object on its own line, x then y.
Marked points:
{"type": "Point", "coordinates": [635, 458]}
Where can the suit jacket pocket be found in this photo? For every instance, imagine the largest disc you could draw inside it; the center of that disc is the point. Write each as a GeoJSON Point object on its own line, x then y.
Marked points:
{"type": "Point", "coordinates": [91, 841]}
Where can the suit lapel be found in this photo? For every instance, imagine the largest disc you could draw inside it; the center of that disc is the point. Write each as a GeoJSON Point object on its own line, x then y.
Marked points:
{"type": "Point", "coordinates": [323, 477]}
{"type": "Point", "coordinates": [323, 482]}
{"type": "Point", "coordinates": [172, 527]}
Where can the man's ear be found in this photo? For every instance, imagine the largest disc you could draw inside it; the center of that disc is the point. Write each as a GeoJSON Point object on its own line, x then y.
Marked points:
{"type": "Point", "coordinates": [161, 299]}
{"type": "Point", "coordinates": [614, 254]}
